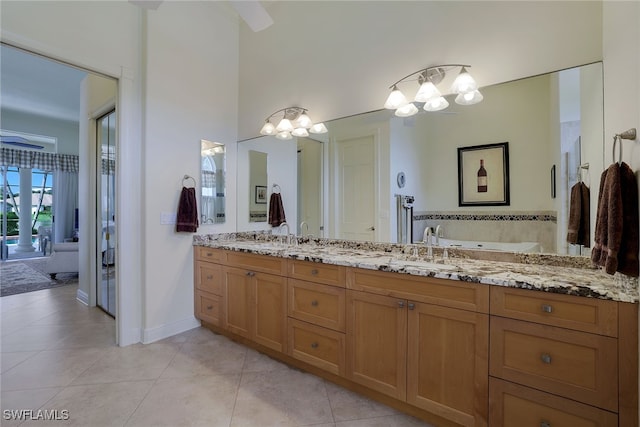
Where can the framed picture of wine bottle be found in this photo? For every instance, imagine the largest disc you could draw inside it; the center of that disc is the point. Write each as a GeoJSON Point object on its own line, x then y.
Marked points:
{"type": "Point", "coordinates": [483, 175]}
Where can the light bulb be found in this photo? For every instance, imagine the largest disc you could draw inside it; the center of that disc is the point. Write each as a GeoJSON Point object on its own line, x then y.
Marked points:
{"type": "Point", "coordinates": [283, 135]}
{"type": "Point", "coordinates": [469, 98]}
{"type": "Point", "coordinates": [304, 121]}
{"type": "Point", "coordinates": [407, 110]}
{"type": "Point", "coordinates": [300, 132]}
{"type": "Point", "coordinates": [396, 99]}
{"type": "Point", "coordinates": [436, 104]}
{"type": "Point", "coordinates": [318, 128]}
{"type": "Point", "coordinates": [284, 126]}
{"type": "Point", "coordinates": [464, 82]}
{"type": "Point", "coordinates": [268, 129]}
{"type": "Point", "coordinates": [427, 91]}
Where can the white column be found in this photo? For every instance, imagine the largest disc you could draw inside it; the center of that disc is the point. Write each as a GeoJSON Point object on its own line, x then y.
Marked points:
{"type": "Point", "coordinates": [24, 224]}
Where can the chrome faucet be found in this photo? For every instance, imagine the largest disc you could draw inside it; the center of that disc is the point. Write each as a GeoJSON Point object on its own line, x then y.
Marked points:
{"type": "Point", "coordinates": [302, 224]}
{"type": "Point", "coordinates": [426, 239]}
{"type": "Point", "coordinates": [438, 234]}
{"type": "Point", "coordinates": [285, 225]}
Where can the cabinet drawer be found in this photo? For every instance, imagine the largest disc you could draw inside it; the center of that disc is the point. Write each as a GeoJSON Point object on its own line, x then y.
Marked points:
{"type": "Point", "coordinates": [514, 405]}
{"type": "Point", "coordinates": [582, 314]}
{"type": "Point", "coordinates": [318, 272]}
{"type": "Point", "coordinates": [204, 253]}
{"type": "Point", "coordinates": [254, 262]}
{"type": "Point", "coordinates": [209, 277]}
{"type": "Point", "coordinates": [318, 304]}
{"type": "Point", "coordinates": [572, 364]}
{"type": "Point", "coordinates": [445, 292]}
{"type": "Point", "coordinates": [208, 308]}
{"type": "Point", "coordinates": [317, 346]}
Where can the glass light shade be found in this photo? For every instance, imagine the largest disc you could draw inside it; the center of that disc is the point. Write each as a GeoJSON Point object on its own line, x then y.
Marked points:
{"type": "Point", "coordinates": [395, 100]}
{"type": "Point", "coordinates": [464, 83]}
{"type": "Point", "coordinates": [284, 126]}
{"type": "Point", "coordinates": [436, 104]}
{"type": "Point", "coordinates": [427, 91]}
{"type": "Point", "coordinates": [469, 98]}
{"type": "Point", "coordinates": [268, 129]}
{"type": "Point", "coordinates": [300, 132]}
{"type": "Point", "coordinates": [284, 135]}
{"type": "Point", "coordinates": [304, 121]}
{"type": "Point", "coordinates": [407, 110]}
{"type": "Point", "coordinates": [318, 128]}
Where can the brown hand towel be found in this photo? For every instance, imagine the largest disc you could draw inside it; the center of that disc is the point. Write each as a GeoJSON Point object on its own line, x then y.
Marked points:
{"type": "Point", "coordinates": [276, 210]}
{"type": "Point", "coordinates": [616, 240]}
{"type": "Point", "coordinates": [187, 218]}
{"type": "Point", "coordinates": [575, 215]}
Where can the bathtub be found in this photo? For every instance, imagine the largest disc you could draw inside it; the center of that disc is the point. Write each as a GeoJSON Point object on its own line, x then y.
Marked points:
{"type": "Point", "coordinates": [496, 246]}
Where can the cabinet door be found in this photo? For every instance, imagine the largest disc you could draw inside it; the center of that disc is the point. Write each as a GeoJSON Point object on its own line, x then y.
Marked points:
{"type": "Point", "coordinates": [237, 301]}
{"type": "Point", "coordinates": [376, 342]}
{"type": "Point", "coordinates": [270, 311]}
{"type": "Point", "coordinates": [447, 362]}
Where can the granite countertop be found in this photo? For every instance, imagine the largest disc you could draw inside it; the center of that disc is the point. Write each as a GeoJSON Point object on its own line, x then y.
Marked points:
{"type": "Point", "coordinates": [570, 280]}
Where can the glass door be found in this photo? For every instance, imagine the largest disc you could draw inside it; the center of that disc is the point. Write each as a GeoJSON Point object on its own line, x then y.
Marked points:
{"type": "Point", "coordinates": [105, 196]}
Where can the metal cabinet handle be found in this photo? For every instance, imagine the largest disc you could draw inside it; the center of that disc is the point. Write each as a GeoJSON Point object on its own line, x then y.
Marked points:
{"type": "Point", "coordinates": [546, 358]}
{"type": "Point", "coordinates": [250, 273]}
{"type": "Point", "coordinates": [314, 345]}
{"type": "Point", "coordinates": [314, 272]}
{"type": "Point", "coordinates": [546, 308]}
{"type": "Point", "coordinates": [411, 306]}
{"type": "Point", "coordinates": [401, 304]}
{"type": "Point", "coordinates": [209, 254]}
{"type": "Point", "coordinates": [545, 424]}
{"type": "Point", "coordinates": [210, 276]}
{"type": "Point", "coordinates": [314, 303]}
{"type": "Point", "coordinates": [209, 307]}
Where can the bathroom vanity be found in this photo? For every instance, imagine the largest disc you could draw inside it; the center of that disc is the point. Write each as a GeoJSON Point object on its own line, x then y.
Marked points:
{"type": "Point", "coordinates": [455, 341]}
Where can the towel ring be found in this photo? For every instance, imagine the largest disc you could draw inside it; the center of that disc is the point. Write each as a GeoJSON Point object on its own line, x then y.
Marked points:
{"type": "Point", "coordinates": [276, 188]}
{"type": "Point", "coordinates": [186, 178]}
{"type": "Point", "coordinates": [613, 151]}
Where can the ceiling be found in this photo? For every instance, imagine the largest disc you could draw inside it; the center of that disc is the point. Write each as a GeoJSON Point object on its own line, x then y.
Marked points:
{"type": "Point", "coordinates": [39, 86]}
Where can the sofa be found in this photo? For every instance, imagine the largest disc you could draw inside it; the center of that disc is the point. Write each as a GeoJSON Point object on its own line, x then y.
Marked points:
{"type": "Point", "coordinates": [64, 259]}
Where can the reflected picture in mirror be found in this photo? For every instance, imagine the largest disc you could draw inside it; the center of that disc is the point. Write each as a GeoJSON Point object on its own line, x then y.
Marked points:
{"type": "Point", "coordinates": [257, 186]}
{"type": "Point", "coordinates": [212, 196]}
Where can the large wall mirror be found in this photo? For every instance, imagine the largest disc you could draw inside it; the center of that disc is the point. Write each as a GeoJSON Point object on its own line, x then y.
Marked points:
{"type": "Point", "coordinates": [553, 125]}
{"type": "Point", "coordinates": [212, 198]}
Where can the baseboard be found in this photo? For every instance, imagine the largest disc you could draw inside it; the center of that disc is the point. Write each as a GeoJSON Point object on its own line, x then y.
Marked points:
{"type": "Point", "coordinates": [132, 336]}
{"type": "Point", "coordinates": [169, 329]}
{"type": "Point", "coordinates": [82, 296]}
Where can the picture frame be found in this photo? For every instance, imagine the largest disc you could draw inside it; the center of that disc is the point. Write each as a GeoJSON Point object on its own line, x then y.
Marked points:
{"type": "Point", "coordinates": [261, 194]}
{"type": "Point", "coordinates": [483, 175]}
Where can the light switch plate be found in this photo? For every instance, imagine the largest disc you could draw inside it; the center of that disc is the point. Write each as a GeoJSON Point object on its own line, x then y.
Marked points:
{"type": "Point", "coordinates": [167, 218]}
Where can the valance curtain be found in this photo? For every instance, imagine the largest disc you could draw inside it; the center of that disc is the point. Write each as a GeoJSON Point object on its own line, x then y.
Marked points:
{"type": "Point", "coordinates": [39, 160]}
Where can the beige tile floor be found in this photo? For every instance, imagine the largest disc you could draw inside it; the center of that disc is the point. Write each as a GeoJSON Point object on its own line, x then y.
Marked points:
{"type": "Point", "coordinates": [58, 354]}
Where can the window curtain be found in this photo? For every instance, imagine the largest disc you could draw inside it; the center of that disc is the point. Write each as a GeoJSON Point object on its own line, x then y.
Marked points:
{"type": "Point", "coordinates": [39, 160]}
{"type": "Point", "coordinates": [65, 203]}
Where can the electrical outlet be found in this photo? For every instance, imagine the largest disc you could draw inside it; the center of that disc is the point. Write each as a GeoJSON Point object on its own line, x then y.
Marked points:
{"type": "Point", "coordinates": [167, 218]}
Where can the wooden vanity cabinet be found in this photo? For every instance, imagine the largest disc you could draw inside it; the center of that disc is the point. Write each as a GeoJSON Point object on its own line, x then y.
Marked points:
{"type": "Point", "coordinates": [208, 286]}
{"type": "Point", "coordinates": [432, 356]}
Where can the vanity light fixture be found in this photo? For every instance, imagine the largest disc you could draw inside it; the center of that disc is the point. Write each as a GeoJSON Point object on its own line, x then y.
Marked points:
{"type": "Point", "coordinates": [464, 86]}
{"type": "Point", "coordinates": [294, 122]}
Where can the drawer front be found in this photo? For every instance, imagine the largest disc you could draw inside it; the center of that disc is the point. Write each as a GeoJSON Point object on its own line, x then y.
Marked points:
{"type": "Point", "coordinates": [204, 253]}
{"type": "Point", "coordinates": [445, 292]}
{"type": "Point", "coordinates": [565, 311]}
{"type": "Point", "coordinates": [254, 262]}
{"type": "Point", "coordinates": [318, 272]}
{"type": "Point", "coordinates": [208, 308]}
{"type": "Point", "coordinates": [209, 277]}
{"type": "Point", "coordinates": [572, 364]}
{"type": "Point", "coordinates": [317, 346]}
{"type": "Point", "coordinates": [514, 405]}
{"type": "Point", "coordinates": [318, 304]}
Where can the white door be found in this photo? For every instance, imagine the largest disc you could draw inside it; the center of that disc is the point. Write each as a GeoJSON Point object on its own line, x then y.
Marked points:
{"type": "Point", "coordinates": [356, 189]}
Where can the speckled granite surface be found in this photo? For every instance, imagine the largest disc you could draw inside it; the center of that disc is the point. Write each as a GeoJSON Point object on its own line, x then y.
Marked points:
{"type": "Point", "coordinates": [548, 273]}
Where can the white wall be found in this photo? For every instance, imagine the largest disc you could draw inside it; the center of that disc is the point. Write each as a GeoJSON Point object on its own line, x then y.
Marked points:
{"type": "Point", "coordinates": [190, 94]}
{"type": "Point", "coordinates": [341, 57]}
{"type": "Point", "coordinates": [65, 132]}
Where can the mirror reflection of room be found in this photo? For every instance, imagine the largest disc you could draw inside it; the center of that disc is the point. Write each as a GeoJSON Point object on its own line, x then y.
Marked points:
{"type": "Point", "coordinates": [212, 201]}
{"type": "Point", "coordinates": [258, 194]}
